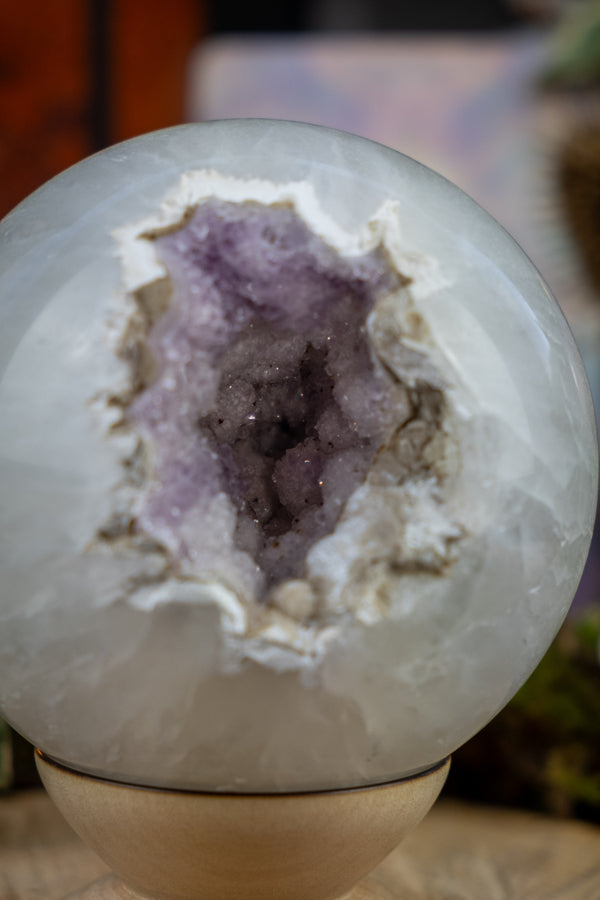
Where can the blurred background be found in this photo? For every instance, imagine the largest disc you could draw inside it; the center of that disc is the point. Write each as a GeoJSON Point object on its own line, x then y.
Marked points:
{"type": "Point", "coordinates": [501, 96]}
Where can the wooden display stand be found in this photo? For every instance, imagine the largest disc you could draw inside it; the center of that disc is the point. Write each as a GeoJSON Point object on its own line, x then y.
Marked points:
{"type": "Point", "coordinates": [165, 844]}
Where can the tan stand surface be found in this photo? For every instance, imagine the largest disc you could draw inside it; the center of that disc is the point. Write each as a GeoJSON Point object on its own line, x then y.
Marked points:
{"type": "Point", "coordinates": [458, 852]}
{"type": "Point", "coordinates": [174, 845]}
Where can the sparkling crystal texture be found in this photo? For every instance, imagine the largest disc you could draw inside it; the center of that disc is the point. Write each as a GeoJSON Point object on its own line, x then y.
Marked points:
{"type": "Point", "coordinates": [297, 462]}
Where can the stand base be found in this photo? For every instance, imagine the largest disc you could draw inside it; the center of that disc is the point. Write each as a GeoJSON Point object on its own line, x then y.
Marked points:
{"type": "Point", "coordinates": [170, 845]}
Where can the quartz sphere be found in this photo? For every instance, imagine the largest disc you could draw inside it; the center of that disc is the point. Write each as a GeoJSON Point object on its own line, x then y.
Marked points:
{"type": "Point", "coordinates": [297, 462]}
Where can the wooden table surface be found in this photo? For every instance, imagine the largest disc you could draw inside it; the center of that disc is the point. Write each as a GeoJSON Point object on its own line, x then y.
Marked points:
{"type": "Point", "coordinates": [459, 852]}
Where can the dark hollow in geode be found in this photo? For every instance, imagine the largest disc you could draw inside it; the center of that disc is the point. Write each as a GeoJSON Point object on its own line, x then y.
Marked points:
{"type": "Point", "coordinates": [264, 383]}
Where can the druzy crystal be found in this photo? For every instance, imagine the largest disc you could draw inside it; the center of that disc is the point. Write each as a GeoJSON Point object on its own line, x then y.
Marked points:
{"type": "Point", "coordinates": [266, 381]}
{"type": "Point", "coordinates": [265, 387]}
{"type": "Point", "coordinates": [297, 462]}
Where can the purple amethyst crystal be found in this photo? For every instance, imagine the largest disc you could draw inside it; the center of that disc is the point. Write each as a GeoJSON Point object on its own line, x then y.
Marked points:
{"type": "Point", "coordinates": [263, 386]}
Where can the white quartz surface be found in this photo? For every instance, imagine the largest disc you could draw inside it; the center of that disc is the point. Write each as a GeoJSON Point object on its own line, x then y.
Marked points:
{"type": "Point", "coordinates": [176, 690]}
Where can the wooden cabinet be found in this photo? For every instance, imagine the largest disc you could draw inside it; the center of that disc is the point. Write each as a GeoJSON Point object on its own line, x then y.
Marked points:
{"type": "Point", "coordinates": [79, 74]}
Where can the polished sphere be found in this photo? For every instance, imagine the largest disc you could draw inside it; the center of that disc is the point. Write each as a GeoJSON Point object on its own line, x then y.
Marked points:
{"type": "Point", "coordinates": [298, 462]}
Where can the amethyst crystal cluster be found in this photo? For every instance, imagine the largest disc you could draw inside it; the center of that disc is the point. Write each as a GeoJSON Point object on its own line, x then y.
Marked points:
{"type": "Point", "coordinates": [263, 383]}
{"type": "Point", "coordinates": [254, 377]}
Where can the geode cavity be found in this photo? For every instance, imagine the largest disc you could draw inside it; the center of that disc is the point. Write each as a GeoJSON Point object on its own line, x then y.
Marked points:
{"type": "Point", "coordinates": [263, 382]}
